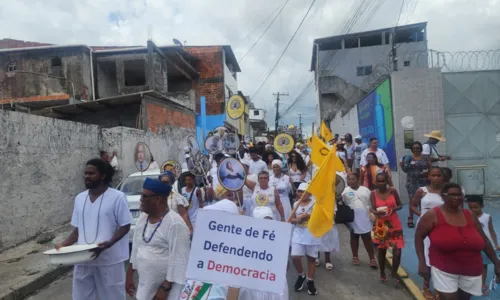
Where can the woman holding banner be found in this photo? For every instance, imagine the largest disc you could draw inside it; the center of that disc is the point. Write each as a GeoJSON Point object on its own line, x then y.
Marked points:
{"type": "Point", "coordinates": [283, 184]}
{"type": "Point", "coordinates": [265, 195]}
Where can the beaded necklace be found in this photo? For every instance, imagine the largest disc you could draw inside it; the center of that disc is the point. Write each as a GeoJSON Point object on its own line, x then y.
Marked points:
{"type": "Point", "coordinates": [147, 240]}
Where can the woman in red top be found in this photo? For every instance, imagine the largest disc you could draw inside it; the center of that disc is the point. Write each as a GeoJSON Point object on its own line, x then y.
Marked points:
{"type": "Point", "coordinates": [387, 231]}
{"type": "Point", "coordinates": [457, 240]}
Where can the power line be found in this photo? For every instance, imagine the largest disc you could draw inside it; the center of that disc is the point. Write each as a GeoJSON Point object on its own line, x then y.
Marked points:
{"type": "Point", "coordinates": [264, 32]}
{"type": "Point", "coordinates": [255, 28]}
{"type": "Point", "coordinates": [284, 51]}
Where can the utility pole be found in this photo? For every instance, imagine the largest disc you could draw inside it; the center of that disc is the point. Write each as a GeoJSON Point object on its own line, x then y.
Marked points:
{"type": "Point", "coordinates": [300, 124]}
{"type": "Point", "coordinates": [277, 110]}
{"type": "Point", "coordinates": [394, 54]}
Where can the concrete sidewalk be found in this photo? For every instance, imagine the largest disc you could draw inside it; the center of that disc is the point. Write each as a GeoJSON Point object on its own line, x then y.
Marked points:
{"type": "Point", "coordinates": [24, 269]}
{"type": "Point", "coordinates": [409, 259]}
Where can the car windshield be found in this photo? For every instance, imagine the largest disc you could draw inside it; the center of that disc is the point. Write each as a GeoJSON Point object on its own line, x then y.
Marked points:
{"type": "Point", "coordinates": [132, 186]}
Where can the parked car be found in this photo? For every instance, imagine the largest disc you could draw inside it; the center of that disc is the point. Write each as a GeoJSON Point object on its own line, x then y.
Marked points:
{"type": "Point", "coordinates": [132, 188]}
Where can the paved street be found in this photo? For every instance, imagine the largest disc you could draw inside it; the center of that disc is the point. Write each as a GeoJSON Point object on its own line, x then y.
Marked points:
{"type": "Point", "coordinates": [344, 282]}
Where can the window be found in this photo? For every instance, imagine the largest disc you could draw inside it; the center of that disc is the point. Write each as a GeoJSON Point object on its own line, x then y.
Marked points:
{"type": "Point", "coordinates": [255, 112]}
{"type": "Point", "coordinates": [364, 70]}
{"type": "Point", "coordinates": [56, 62]}
{"type": "Point", "coordinates": [135, 72]}
{"type": "Point", "coordinates": [406, 63]}
{"type": "Point", "coordinates": [360, 71]}
{"type": "Point", "coordinates": [11, 67]}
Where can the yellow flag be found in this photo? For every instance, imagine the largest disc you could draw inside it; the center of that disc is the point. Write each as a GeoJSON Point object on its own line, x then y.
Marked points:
{"type": "Point", "coordinates": [319, 150]}
{"type": "Point", "coordinates": [325, 132]}
{"type": "Point", "coordinates": [322, 187]}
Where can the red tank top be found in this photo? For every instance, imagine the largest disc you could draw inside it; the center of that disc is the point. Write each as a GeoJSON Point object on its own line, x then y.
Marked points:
{"type": "Point", "coordinates": [454, 249]}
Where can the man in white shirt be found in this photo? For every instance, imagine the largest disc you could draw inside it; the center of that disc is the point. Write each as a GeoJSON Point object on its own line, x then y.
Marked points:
{"type": "Point", "coordinates": [160, 248]}
{"type": "Point", "coordinates": [256, 165]}
{"type": "Point", "coordinates": [429, 148]}
{"type": "Point", "coordinates": [100, 216]}
{"type": "Point", "coordinates": [381, 156]}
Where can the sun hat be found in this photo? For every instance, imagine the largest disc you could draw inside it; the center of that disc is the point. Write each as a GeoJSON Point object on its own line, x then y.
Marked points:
{"type": "Point", "coordinates": [435, 134]}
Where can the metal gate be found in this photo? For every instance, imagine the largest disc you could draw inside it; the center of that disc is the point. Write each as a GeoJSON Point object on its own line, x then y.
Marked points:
{"type": "Point", "coordinates": [472, 128]}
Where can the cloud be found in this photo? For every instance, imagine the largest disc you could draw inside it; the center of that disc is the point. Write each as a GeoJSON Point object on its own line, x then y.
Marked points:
{"type": "Point", "coordinates": [453, 25]}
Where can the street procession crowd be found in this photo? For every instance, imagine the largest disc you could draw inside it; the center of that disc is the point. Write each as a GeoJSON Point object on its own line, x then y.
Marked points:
{"type": "Point", "coordinates": [454, 241]}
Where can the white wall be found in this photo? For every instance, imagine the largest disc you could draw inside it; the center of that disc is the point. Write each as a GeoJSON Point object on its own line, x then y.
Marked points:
{"type": "Point", "coordinates": [416, 94]}
{"type": "Point", "coordinates": [345, 61]}
{"type": "Point", "coordinates": [347, 123]}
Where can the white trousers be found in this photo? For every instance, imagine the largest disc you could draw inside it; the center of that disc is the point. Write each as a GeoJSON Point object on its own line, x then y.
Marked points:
{"type": "Point", "coordinates": [99, 282]}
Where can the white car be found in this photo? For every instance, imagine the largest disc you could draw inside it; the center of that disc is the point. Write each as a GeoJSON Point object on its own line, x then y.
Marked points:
{"type": "Point", "coordinates": [132, 188]}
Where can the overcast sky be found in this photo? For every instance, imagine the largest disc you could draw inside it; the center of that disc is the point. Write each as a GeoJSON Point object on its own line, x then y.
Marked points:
{"type": "Point", "coordinates": [454, 25]}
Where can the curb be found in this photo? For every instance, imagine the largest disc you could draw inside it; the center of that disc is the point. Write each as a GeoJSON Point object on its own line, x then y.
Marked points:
{"type": "Point", "coordinates": [38, 283]}
{"type": "Point", "coordinates": [406, 281]}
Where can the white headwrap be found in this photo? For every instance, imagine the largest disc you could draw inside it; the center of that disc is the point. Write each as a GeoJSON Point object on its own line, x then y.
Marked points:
{"type": "Point", "coordinates": [276, 162]}
{"type": "Point", "coordinates": [261, 212]}
{"type": "Point", "coordinates": [224, 205]}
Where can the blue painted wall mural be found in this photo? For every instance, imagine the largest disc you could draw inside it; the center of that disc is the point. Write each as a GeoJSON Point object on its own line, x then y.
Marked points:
{"type": "Point", "coordinates": [375, 120]}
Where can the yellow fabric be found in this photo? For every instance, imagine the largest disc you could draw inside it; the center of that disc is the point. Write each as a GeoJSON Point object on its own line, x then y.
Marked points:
{"type": "Point", "coordinates": [322, 187]}
{"type": "Point", "coordinates": [319, 150]}
{"type": "Point", "coordinates": [309, 142]}
{"type": "Point", "coordinates": [325, 133]}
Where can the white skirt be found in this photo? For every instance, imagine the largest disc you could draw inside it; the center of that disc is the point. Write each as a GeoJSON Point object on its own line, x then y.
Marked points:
{"type": "Point", "coordinates": [362, 223]}
{"type": "Point", "coordinates": [330, 241]}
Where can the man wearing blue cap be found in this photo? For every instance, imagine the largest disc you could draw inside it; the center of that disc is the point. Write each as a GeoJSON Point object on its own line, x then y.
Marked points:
{"type": "Point", "coordinates": [160, 248]}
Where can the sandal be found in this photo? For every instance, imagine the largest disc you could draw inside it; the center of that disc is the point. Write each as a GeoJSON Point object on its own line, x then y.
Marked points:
{"type": "Point", "coordinates": [485, 290]}
{"type": "Point", "coordinates": [355, 261]}
{"type": "Point", "coordinates": [428, 294]}
{"type": "Point", "coordinates": [396, 281]}
{"type": "Point", "coordinates": [373, 263]}
{"type": "Point", "coordinates": [329, 266]}
{"type": "Point", "coordinates": [383, 279]}
{"type": "Point", "coordinates": [410, 223]}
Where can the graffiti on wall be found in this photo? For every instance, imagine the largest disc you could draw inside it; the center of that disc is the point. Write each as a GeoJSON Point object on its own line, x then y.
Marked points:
{"type": "Point", "coordinates": [375, 120]}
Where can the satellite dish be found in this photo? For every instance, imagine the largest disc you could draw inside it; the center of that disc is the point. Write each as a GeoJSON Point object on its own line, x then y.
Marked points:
{"type": "Point", "coordinates": [177, 42]}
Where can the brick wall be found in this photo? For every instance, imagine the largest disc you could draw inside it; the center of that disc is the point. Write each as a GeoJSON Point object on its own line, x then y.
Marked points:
{"type": "Point", "coordinates": [211, 81]}
{"type": "Point", "coordinates": [158, 116]}
{"type": "Point", "coordinates": [10, 43]}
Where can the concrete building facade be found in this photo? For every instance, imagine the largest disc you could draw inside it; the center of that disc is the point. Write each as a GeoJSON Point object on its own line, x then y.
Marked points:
{"type": "Point", "coordinates": [348, 67]}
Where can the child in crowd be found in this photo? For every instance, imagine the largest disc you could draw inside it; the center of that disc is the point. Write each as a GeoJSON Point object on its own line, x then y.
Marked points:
{"type": "Point", "coordinates": [304, 243]}
{"type": "Point", "coordinates": [476, 205]}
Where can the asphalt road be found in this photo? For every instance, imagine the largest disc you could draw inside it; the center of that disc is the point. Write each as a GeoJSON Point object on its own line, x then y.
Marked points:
{"type": "Point", "coordinates": [343, 282]}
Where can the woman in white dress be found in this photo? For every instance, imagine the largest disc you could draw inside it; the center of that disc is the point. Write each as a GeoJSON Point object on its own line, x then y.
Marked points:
{"type": "Point", "coordinates": [265, 195]}
{"type": "Point", "coordinates": [297, 168]}
{"type": "Point", "coordinates": [425, 199]}
{"type": "Point", "coordinates": [283, 184]}
{"type": "Point", "coordinates": [304, 243]}
{"type": "Point", "coordinates": [194, 197]}
{"type": "Point", "coordinates": [176, 201]}
{"type": "Point", "coordinates": [358, 198]}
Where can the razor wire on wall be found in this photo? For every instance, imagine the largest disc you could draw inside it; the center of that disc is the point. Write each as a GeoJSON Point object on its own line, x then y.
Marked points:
{"type": "Point", "coordinates": [461, 61]}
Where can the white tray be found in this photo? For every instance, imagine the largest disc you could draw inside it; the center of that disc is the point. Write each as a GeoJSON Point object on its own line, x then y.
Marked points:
{"type": "Point", "coordinates": [71, 255]}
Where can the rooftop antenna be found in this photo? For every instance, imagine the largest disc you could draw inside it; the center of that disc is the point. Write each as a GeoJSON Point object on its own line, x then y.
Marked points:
{"type": "Point", "coordinates": [177, 42]}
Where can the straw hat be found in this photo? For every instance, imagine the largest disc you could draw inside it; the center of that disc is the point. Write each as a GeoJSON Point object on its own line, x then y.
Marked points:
{"type": "Point", "coordinates": [435, 134]}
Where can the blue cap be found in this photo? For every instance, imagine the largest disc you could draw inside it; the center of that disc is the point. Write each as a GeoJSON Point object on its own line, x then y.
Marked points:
{"type": "Point", "coordinates": [157, 187]}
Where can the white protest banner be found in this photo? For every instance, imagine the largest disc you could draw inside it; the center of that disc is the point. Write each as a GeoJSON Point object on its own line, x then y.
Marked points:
{"type": "Point", "coordinates": [239, 251]}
